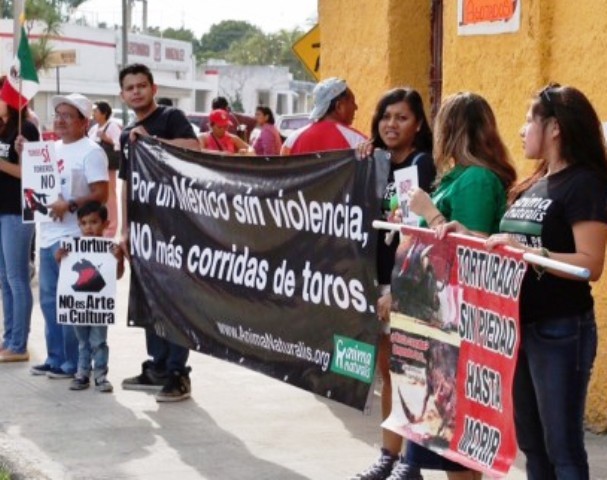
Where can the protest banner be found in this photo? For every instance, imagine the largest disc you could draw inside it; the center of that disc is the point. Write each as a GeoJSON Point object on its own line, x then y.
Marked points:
{"type": "Point", "coordinates": [455, 337]}
{"type": "Point", "coordinates": [86, 289]}
{"type": "Point", "coordinates": [39, 181]}
{"type": "Point", "coordinates": [267, 263]}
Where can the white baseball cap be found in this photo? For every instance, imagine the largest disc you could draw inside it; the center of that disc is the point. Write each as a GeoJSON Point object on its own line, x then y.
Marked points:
{"type": "Point", "coordinates": [324, 93]}
{"type": "Point", "coordinates": [76, 100]}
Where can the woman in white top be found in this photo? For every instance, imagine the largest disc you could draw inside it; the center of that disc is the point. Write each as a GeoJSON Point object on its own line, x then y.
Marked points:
{"type": "Point", "coordinates": [107, 134]}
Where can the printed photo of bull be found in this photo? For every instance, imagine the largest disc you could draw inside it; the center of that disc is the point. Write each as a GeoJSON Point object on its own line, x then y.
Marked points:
{"type": "Point", "coordinates": [428, 400]}
{"type": "Point", "coordinates": [33, 202]}
{"type": "Point", "coordinates": [420, 284]}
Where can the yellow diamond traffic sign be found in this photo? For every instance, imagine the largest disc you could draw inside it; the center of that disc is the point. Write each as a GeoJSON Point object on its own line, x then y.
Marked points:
{"type": "Point", "coordinates": [307, 49]}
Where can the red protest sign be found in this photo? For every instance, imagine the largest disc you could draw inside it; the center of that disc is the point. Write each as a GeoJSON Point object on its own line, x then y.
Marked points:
{"type": "Point", "coordinates": [455, 338]}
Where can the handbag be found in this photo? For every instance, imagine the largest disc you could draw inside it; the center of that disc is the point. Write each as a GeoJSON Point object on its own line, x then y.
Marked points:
{"type": "Point", "coordinates": [113, 156]}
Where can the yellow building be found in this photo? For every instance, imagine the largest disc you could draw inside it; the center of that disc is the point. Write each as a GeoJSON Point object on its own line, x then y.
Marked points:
{"type": "Point", "coordinates": [379, 44]}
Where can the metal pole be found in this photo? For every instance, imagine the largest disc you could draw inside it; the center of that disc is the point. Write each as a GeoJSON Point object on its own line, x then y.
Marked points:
{"type": "Point", "coordinates": [125, 44]}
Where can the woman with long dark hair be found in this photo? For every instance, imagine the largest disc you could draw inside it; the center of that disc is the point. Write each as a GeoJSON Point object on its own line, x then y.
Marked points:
{"type": "Point", "coordinates": [399, 126]}
{"type": "Point", "coordinates": [475, 173]}
{"type": "Point", "coordinates": [267, 139]}
{"type": "Point", "coordinates": [15, 236]}
{"type": "Point", "coordinates": [559, 212]}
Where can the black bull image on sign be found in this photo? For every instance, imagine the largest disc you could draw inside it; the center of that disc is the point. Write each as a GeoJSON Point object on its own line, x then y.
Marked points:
{"type": "Point", "coordinates": [89, 277]}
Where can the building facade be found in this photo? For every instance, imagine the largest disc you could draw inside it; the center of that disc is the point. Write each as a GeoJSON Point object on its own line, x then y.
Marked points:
{"type": "Point", "coordinates": [428, 44]}
{"type": "Point", "coordinates": [89, 59]}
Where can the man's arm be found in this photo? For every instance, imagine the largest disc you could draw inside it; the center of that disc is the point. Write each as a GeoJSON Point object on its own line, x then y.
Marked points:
{"type": "Point", "coordinates": [98, 193]}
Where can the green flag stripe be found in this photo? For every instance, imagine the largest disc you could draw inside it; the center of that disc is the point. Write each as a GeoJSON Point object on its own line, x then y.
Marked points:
{"type": "Point", "coordinates": [24, 54]}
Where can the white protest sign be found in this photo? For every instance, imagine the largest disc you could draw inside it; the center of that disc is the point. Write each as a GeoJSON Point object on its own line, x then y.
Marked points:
{"type": "Point", "coordinates": [405, 180]}
{"type": "Point", "coordinates": [86, 292]}
{"type": "Point", "coordinates": [39, 181]}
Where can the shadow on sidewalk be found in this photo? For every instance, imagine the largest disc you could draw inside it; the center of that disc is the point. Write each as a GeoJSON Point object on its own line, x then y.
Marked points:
{"type": "Point", "coordinates": [212, 451]}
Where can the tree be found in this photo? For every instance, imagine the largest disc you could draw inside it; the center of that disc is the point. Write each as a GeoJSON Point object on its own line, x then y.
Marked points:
{"type": "Point", "coordinates": [63, 8]}
{"type": "Point", "coordinates": [221, 36]}
{"type": "Point", "coordinates": [269, 49]}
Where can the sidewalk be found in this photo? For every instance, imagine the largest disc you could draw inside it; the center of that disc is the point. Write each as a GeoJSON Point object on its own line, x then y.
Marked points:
{"type": "Point", "coordinates": [237, 425]}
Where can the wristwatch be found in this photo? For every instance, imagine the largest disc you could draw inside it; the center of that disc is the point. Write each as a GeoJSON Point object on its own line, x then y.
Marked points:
{"type": "Point", "coordinates": [72, 206]}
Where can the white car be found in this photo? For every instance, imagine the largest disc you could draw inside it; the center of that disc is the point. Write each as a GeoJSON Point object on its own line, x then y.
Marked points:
{"type": "Point", "coordinates": [117, 116]}
{"type": "Point", "coordinates": [286, 124]}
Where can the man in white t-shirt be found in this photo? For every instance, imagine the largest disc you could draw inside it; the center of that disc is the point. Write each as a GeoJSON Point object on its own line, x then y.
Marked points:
{"type": "Point", "coordinates": [83, 173]}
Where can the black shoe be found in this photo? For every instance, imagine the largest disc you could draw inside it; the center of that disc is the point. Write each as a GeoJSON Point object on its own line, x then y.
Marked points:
{"type": "Point", "coordinates": [58, 373]}
{"type": "Point", "coordinates": [41, 369]}
{"type": "Point", "coordinates": [149, 379]}
{"type": "Point", "coordinates": [176, 388]}
{"type": "Point", "coordinates": [402, 471]}
{"type": "Point", "coordinates": [80, 383]}
{"type": "Point", "coordinates": [381, 469]}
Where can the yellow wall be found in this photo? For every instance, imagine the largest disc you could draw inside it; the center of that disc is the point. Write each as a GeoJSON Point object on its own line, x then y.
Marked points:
{"type": "Point", "coordinates": [374, 45]}
{"type": "Point", "coordinates": [379, 44]}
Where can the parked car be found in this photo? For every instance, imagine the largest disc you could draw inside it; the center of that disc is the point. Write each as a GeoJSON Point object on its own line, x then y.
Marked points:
{"type": "Point", "coordinates": [117, 116]}
{"type": "Point", "coordinates": [288, 123]}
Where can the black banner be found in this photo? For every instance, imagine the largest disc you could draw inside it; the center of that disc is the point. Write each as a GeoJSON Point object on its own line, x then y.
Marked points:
{"type": "Point", "coordinates": [269, 263]}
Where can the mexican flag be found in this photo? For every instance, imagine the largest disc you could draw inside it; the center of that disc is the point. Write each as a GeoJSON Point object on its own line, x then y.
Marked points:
{"type": "Point", "coordinates": [22, 82]}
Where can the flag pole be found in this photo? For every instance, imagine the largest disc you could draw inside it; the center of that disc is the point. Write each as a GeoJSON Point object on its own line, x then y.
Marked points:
{"type": "Point", "coordinates": [20, 116]}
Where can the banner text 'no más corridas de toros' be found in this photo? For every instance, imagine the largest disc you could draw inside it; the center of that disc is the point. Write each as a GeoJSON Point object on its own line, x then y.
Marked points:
{"type": "Point", "coordinates": [266, 262]}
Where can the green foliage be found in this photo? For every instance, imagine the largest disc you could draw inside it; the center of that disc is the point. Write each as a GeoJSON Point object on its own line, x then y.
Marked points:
{"type": "Point", "coordinates": [241, 43]}
{"type": "Point", "coordinates": [5, 474]}
{"type": "Point", "coordinates": [269, 49]}
{"type": "Point", "coordinates": [221, 36]}
{"type": "Point", "coordinates": [61, 8]}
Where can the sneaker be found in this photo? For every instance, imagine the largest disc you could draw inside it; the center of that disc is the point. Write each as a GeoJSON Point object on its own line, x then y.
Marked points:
{"type": "Point", "coordinates": [10, 356]}
{"type": "Point", "coordinates": [402, 471]}
{"type": "Point", "coordinates": [57, 373]}
{"type": "Point", "coordinates": [80, 383]}
{"type": "Point", "coordinates": [148, 379]}
{"type": "Point", "coordinates": [176, 388]}
{"type": "Point", "coordinates": [102, 384]}
{"type": "Point", "coordinates": [41, 369]}
{"type": "Point", "coordinates": [381, 469]}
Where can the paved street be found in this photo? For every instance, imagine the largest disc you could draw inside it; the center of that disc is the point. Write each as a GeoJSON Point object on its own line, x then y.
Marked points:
{"type": "Point", "coordinates": [238, 425]}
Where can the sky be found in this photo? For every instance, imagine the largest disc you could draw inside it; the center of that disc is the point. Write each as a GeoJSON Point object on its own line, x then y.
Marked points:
{"type": "Point", "coordinates": [199, 15]}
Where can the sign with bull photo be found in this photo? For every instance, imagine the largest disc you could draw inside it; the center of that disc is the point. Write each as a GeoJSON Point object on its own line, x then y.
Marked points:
{"type": "Point", "coordinates": [86, 292]}
{"type": "Point", "coordinates": [455, 339]}
{"type": "Point", "coordinates": [40, 185]}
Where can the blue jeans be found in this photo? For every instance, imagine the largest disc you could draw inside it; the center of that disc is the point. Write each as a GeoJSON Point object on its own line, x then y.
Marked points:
{"type": "Point", "coordinates": [166, 356]}
{"type": "Point", "coordinates": [550, 386]}
{"type": "Point", "coordinates": [17, 301]}
{"type": "Point", "coordinates": [92, 346]}
{"type": "Point", "coordinates": [61, 341]}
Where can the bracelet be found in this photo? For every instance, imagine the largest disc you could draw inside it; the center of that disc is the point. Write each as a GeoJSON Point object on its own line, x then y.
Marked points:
{"type": "Point", "coordinates": [435, 218]}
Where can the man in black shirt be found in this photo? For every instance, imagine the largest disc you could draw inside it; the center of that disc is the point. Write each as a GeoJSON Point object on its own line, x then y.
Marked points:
{"type": "Point", "coordinates": [167, 370]}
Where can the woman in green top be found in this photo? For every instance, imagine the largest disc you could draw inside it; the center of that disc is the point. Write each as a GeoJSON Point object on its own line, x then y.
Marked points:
{"type": "Point", "coordinates": [474, 174]}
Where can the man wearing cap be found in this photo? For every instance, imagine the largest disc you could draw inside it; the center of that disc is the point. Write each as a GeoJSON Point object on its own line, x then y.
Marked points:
{"type": "Point", "coordinates": [332, 116]}
{"type": "Point", "coordinates": [166, 372]}
{"type": "Point", "coordinates": [83, 173]}
{"type": "Point", "coordinates": [219, 139]}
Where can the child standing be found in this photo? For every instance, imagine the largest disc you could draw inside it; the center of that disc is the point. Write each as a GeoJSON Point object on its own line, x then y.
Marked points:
{"type": "Point", "coordinates": [92, 344]}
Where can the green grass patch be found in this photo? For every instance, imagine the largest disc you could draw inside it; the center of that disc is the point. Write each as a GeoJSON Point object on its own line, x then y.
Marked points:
{"type": "Point", "coordinates": [4, 473]}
